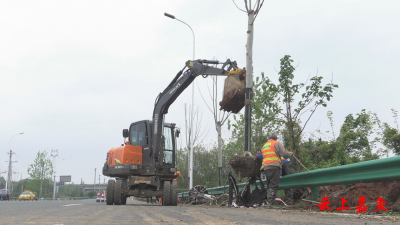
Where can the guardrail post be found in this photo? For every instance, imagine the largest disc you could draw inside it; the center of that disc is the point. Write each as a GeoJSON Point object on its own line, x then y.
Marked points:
{"type": "Point", "coordinates": [315, 193]}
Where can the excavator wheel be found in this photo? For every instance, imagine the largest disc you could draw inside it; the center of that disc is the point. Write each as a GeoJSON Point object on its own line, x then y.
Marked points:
{"type": "Point", "coordinates": [110, 192]}
{"type": "Point", "coordinates": [174, 193]}
{"type": "Point", "coordinates": [118, 192]}
{"type": "Point", "coordinates": [166, 200]}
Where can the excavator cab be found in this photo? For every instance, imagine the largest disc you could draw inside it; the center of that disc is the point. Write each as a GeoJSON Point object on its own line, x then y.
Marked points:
{"type": "Point", "coordinates": [136, 157]}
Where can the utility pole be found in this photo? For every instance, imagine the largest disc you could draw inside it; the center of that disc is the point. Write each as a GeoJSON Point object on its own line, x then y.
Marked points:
{"type": "Point", "coordinates": [9, 181]}
{"type": "Point", "coordinates": [94, 185]}
{"type": "Point", "coordinates": [22, 184]}
{"type": "Point", "coordinates": [99, 182]}
{"type": "Point", "coordinates": [54, 154]}
{"type": "Point", "coordinates": [54, 190]}
{"type": "Point", "coordinates": [10, 166]}
{"type": "Point", "coordinates": [9, 173]}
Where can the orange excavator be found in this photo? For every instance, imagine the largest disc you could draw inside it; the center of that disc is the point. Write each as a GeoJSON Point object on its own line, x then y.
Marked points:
{"type": "Point", "coordinates": [145, 165]}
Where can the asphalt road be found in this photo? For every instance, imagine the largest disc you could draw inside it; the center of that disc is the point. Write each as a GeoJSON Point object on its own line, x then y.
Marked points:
{"type": "Point", "coordinates": [136, 212]}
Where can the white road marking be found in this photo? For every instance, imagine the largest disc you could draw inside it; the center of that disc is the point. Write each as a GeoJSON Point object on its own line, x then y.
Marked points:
{"type": "Point", "coordinates": [72, 204]}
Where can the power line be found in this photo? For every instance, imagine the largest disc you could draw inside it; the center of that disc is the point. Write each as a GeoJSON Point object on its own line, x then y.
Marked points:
{"type": "Point", "coordinates": [21, 158]}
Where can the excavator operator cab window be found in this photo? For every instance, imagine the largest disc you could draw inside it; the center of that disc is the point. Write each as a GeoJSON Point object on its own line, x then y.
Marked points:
{"type": "Point", "coordinates": [133, 136]}
{"type": "Point", "coordinates": [138, 135]}
{"type": "Point", "coordinates": [142, 134]}
{"type": "Point", "coordinates": [168, 146]}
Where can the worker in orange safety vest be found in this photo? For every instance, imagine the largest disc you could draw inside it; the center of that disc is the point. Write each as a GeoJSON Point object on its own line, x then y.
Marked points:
{"type": "Point", "coordinates": [176, 179]}
{"type": "Point", "coordinates": [177, 173]}
{"type": "Point", "coordinates": [272, 152]}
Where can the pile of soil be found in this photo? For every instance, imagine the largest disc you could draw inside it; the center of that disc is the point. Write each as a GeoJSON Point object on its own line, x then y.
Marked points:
{"type": "Point", "coordinates": [233, 94]}
{"type": "Point", "coordinates": [389, 191]}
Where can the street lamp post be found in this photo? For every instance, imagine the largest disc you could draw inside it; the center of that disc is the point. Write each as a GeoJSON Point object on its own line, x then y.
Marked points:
{"type": "Point", "coordinates": [192, 115]}
{"type": "Point", "coordinates": [10, 166]}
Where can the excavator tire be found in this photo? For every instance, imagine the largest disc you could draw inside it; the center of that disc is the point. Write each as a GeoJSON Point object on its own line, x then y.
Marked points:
{"type": "Point", "coordinates": [110, 192]}
{"type": "Point", "coordinates": [123, 200]}
{"type": "Point", "coordinates": [166, 200]}
{"type": "Point", "coordinates": [174, 193]}
{"type": "Point", "coordinates": [118, 192]}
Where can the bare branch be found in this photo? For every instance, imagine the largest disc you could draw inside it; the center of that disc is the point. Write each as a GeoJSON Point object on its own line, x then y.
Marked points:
{"type": "Point", "coordinates": [311, 101]}
{"type": "Point", "coordinates": [254, 7]}
{"type": "Point", "coordinates": [258, 10]}
{"type": "Point", "coordinates": [304, 106]}
{"type": "Point", "coordinates": [307, 121]}
{"type": "Point", "coordinates": [245, 3]}
{"type": "Point", "coordinates": [315, 130]}
{"type": "Point", "coordinates": [237, 6]}
{"type": "Point", "coordinates": [305, 82]}
{"type": "Point", "coordinates": [204, 99]}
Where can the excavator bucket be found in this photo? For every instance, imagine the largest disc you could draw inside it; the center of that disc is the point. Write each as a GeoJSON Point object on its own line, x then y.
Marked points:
{"type": "Point", "coordinates": [234, 92]}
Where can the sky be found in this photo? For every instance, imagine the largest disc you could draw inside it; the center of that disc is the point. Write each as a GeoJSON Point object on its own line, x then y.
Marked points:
{"type": "Point", "coordinates": [73, 74]}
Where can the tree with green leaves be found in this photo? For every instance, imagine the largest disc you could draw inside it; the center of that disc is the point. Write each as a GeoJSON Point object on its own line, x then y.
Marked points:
{"type": "Point", "coordinates": [41, 169]}
{"type": "Point", "coordinates": [2, 183]}
{"type": "Point", "coordinates": [275, 107]}
{"type": "Point", "coordinates": [391, 136]}
{"type": "Point", "coordinates": [355, 135]}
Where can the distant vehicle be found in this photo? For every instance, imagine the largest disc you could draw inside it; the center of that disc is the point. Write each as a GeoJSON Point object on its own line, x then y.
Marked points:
{"type": "Point", "coordinates": [26, 195]}
{"type": "Point", "coordinates": [4, 195]}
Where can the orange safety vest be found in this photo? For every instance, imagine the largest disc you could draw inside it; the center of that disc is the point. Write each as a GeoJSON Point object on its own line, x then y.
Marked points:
{"type": "Point", "coordinates": [268, 151]}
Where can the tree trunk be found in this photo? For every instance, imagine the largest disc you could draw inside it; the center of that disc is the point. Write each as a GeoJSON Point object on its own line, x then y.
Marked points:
{"type": "Point", "coordinates": [41, 181]}
{"type": "Point", "coordinates": [188, 160]}
{"type": "Point", "coordinates": [249, 81]}
{"type": "Point", "coordinates": [218, 125]}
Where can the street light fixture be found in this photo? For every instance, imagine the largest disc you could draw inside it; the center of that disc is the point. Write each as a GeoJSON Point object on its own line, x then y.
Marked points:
{"type": "Point", "coordinates": [191, 119]}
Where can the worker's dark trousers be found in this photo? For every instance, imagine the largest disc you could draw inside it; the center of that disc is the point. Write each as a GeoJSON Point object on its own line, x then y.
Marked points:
{"type": "Point", "coordinates": [287, 169]}
{"type": "Point", "coordinates": [273, 176]}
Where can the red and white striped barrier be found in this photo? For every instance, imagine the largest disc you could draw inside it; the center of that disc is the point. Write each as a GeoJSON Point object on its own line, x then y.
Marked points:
{"type": "Point", "coordinates": [98, 196]}
{"type": "Point", "coordinates": [102, 197]}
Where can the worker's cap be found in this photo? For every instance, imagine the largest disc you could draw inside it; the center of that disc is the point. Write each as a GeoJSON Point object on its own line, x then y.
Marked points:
{"type": "Point", "coordinates": [273, 136]}
{"type": "Point", "coordinates": [179, 173]}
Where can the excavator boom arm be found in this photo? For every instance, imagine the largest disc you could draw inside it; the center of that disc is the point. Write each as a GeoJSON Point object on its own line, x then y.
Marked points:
{"type": "Point", "coordinates": [181, 81]}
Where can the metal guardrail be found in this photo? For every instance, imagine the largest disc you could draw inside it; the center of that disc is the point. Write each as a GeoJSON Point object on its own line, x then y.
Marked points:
{"type": "Point", "coordinates": [74, 198]}
{"type": "Point", "coordinates": [370, 171]}
{"type": "Point", "coordinates": [79, 198]}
